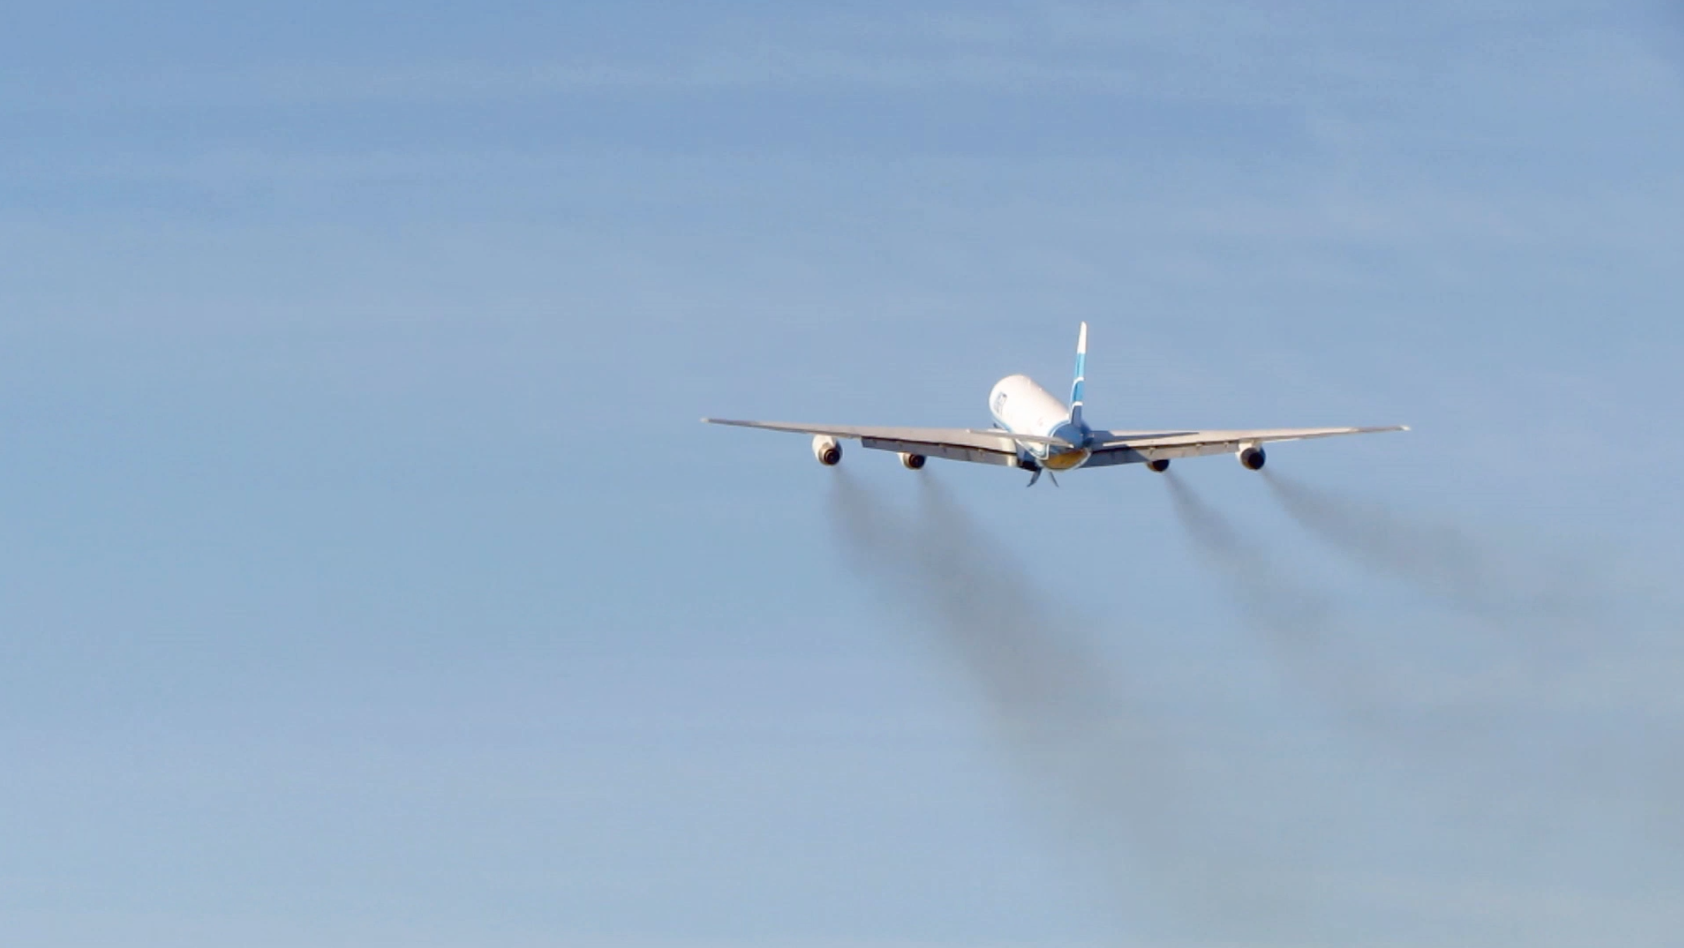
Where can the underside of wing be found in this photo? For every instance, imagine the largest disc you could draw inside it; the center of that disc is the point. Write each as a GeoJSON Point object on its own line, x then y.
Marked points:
{"type": "Point", "coordinates": [1123, 447]}
{"type": "Point", "coordinates": [956, 444]}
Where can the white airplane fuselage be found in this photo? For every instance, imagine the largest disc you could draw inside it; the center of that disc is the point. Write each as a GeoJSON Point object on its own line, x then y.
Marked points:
{"type": "Point", "coordinates": [1021, 406]}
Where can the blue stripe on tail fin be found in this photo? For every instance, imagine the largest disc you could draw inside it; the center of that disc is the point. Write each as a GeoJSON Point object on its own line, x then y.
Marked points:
{"type": "Point", "coordinates": [1081, 377]}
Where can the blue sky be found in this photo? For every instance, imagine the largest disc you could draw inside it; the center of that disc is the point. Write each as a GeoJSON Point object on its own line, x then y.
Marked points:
{"type": "Point", "coordinates": [368, 579]}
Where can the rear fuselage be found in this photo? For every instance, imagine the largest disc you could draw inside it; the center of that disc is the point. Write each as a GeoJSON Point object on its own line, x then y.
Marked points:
{"type": "Point", "coordinates": [1021, 406]}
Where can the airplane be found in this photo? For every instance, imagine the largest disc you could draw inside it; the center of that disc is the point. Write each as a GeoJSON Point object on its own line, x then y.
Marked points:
{"type": "Point", "coordinates": [1035, 432]}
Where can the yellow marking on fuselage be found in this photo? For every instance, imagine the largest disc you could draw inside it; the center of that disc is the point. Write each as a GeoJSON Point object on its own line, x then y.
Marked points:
{"type": "Point", "coordinates": [1065, 460]}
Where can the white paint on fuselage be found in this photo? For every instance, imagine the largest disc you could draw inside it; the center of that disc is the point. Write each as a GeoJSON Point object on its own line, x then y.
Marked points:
{"type": "Point", "coordinates": [1021, 406]}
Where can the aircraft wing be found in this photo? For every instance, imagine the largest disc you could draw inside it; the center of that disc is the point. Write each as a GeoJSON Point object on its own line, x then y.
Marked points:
{"type": "Point", "coordinates": [1126, 447]}
{"type": "Point", "coordinates": [978, 445]}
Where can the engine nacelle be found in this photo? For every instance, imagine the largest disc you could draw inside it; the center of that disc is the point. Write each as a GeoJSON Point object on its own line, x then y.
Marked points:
{"type": "Point", "coordinates": [827, 450]}
{"type": "Point", "coordinates": [1159, 465]}
{"type": "Point", "coordinates": [1252, 457]}
{"type": "Point", "coordinates": [912, 462]}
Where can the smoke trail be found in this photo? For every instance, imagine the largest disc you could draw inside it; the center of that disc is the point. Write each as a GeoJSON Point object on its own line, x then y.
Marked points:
{"type": "Point", "coordinates": [1112, 777]}
{"type": "Point", "coordinates": [1300, 625]}
{"type": "Point", "coordinates": [1135, 805]}
{"type": "Point", "coordinates": [1550, 622]}
{"type": "Point", "coordinates": [1504, 589]}
{"type": "Point", "coordinates": [1434, 702]}
{"type": "Point", "coordinates": [1297, 618]}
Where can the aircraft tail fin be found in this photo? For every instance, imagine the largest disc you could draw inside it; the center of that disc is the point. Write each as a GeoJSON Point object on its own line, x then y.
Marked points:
{"type": "Point", "coordinates": [1081, 376]}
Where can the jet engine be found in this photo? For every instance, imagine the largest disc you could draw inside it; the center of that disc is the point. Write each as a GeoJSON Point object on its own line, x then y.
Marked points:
{"type": "Point", "coordinates": [912, 462]}
{"type": "Point", "coordinates": [827, 450]}
{"type": "Point", "coordinates": [1252, 457]}
{"type": "Point", "coordinates": [1159, 465]}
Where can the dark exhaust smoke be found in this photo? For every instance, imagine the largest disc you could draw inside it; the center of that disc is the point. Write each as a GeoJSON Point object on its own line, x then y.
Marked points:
{"type": "Point", "coordinates": [1508, 590]}
{"type": "Point", "coordinates": [1109, 774]}
{"type": "Point", "coordinates": [1301, 627]}
{"type": "Point", "coordinates": [1547, 623]}
{"type": "Point", "coordinates": [1232, 840]}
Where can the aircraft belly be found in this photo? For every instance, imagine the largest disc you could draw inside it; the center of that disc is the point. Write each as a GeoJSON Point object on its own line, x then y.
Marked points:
{"type": "Point", "coordinates": [1065, 460]}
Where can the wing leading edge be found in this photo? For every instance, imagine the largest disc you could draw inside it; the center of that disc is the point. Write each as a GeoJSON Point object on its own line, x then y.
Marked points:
{"type": "Point", "coordinates": [1128, 447]}
{"type": "Point", "coordinates": [977, 445]}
